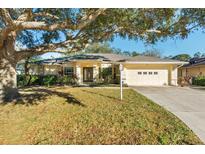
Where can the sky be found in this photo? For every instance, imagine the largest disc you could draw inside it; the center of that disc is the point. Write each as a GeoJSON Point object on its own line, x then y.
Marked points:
{"type": "Point", "coordinates": [194, 43]}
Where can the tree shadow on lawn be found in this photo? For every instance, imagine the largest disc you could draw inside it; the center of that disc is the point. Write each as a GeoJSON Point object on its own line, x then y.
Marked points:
{"type": "Point", "coordinates": [34, 96]}
{"type": "Point", "coordinates": [114, 98]}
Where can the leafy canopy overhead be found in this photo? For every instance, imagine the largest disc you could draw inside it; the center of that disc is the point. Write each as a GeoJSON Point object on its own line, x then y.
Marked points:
{"type": "Point", "coordinates": [37, 31]}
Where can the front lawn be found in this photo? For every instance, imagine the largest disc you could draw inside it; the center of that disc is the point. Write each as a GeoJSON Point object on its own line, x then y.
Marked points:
{"type": "Point", "coordinates": [63, 115]}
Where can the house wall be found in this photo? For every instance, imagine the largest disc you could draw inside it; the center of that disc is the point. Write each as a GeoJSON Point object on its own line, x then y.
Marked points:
{"type": "Point", "coordinates": [79, 65]}
{"type": "Point", "coordinates": [52, 69]}
{"type": "Point", "coordinates": [192, 71]}
{"type": "Point", "coordinates": [44, 69]}
{"type": "Point", "coordinates": [36, 69]}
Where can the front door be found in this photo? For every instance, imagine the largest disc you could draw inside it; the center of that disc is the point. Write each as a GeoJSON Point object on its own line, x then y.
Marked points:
{"type": "Point", "coordinates": [88, 74]}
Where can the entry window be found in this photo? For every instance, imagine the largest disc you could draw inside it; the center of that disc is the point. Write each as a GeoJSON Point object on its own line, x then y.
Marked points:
{"type": "Point", "coordinates": [144, 73]}
{"type": "Point", "coordinates": [150, 73]}
{"type": "Point", "coordinates": [139, 73]}
{"type": "Point", "coordinates": [155, 73]}
{"type": "Point", "coordinates": [68, 71]}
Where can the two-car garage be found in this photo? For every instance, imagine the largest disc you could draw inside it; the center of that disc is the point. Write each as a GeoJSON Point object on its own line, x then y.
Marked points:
{"type": "Point", "coordinates": [147, 77]}
{"type": "Point", "coordinates": [150, 71]}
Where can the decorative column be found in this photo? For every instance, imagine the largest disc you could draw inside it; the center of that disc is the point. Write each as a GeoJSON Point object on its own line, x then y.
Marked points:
{"type": "Point", "coordinates": [78, 74]}
{"type": "Point", "coordinates": [174, 76]}
{"type": "Point", "coordinates": [95, 73]}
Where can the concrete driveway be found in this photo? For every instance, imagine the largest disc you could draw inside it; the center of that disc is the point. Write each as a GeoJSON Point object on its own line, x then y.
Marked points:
{"type": "Point", "coordinates": [186, 103]}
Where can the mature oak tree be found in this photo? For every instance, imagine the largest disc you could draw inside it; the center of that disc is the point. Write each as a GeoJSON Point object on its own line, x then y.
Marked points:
{"type": "Point", "coordinates": [30, 32]}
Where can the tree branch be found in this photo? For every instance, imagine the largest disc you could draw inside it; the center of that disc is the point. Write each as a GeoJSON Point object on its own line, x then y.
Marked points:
{"type": "Point", "coordinates": [52, 47]}
{"type": "Point", "coordinates": [44, 14]}
{"type": "Point", "coordinates": [6, 17]}
{"type": "Point", "coordinates": [85, 21]}
{"type": "Point", "coordinates": [26, 16]}
{"type": "Point", "coordinates": [42, 26]}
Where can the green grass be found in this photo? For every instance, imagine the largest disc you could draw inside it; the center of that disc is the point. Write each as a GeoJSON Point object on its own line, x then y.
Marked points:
{"type": "Point", "coordinates": [89, 116]}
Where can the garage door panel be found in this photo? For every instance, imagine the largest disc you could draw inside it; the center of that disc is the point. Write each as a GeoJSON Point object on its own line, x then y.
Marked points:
{"type": "Point", "coordinates": [147, 77]}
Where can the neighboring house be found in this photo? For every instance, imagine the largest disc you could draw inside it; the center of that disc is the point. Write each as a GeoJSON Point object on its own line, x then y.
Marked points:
{"type": "Point", "coordinates": [138, 71]}
{"type": "Point", "coordinates": [195, 67]}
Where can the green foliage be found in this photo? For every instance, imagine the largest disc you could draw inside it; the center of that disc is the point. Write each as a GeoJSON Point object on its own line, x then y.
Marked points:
{"type": "Point", "coordinates": [126, 53]}
{"type": "Point", "coordinates": [182, 57]}
{"type": "Point", "coordinates": [106, 48]}
{"type": "Point", "coordinates": [21, 80]}
{"type": "Point", "coordinates": [199, 81]}
{"type": "Point", "coordinates": [35, 80]}
{"type": "Point", "coordinates": [199, 55]}
{"type": "Point", "coordinates": [152, 53]}
{"type": "Point", "coordinates": [46, 80]}
{"type": "Point", "coordinates": [134, 53]}
{"type": "Point", "coordinates": [67, 80]}
{"type": "Point", "coordinates": [49, 80]}
{"type": "Point", "coordinates": [107, 74]}
{"type": "Point", "coordinates": [100, 48]}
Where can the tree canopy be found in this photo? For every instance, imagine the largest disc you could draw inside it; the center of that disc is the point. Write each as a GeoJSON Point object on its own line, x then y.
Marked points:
{"type": "Point", "coordinates": [152, 53]}
{"type": "Point", "coordinates": [30, 32]}
{"type": "Point", "coordinates": [182, 57]}
{"type": "Point", "coordinates": [199, 55]}
{"type": "Point", "coordinates": [43, 30]}
{"type": "Point", "coordinates": [99, 48]}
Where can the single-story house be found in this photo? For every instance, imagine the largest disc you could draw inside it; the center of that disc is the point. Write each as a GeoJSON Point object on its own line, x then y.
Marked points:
{"type": "Point", "coordinates": [195, 67]}
{"type": "Point", "coordinates": [138, 71]}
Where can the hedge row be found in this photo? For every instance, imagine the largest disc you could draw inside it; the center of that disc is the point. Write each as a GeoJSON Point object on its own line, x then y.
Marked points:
{"type": "Point", "coordinates": [199, 81]}
{"type": "Point", "coordinates": [45, 80]}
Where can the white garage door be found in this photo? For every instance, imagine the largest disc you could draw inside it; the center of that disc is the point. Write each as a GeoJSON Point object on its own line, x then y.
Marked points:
{"type": "Point", "coordinates": [147, 77]}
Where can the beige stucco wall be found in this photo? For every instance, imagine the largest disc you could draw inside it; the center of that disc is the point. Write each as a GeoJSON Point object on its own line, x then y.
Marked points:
{"type": "Point", "coordinates": [44, 69]}
{"type": "Point", "coordinates": [79, 65]}
{"type": "Point", "coordinates": [34, 69]}
{"type": "Point", "coordinates": [51, 69]}
{"type": "Point", "coordinates": [192, 71]}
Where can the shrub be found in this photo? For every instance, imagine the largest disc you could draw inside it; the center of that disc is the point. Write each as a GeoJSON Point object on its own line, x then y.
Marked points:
{"type": "Point", "coordinates": [21, 80]}
{"type": "Point", "coordinates": [35, 80]}
{"type": "Point", "coordinates": [199, 81]}
{"type": "Point", "coordinates": [46, 80]}
{"type": "Point", "coordinates": [49, 80]}
{"type": "Point", "coordinates": [107, 75]}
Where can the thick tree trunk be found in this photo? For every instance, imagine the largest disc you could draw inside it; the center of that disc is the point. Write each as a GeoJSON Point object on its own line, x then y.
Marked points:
{"type": "Point", "coordinates": [8, 81]}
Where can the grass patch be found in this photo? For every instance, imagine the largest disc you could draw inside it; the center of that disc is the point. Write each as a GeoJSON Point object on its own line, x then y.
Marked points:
{"type": "Point", "coordinates": [63, 115]}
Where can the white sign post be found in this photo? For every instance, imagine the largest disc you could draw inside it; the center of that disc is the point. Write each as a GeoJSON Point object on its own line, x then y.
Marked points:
{"type": "Point", "coordinates": [121, 69]}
